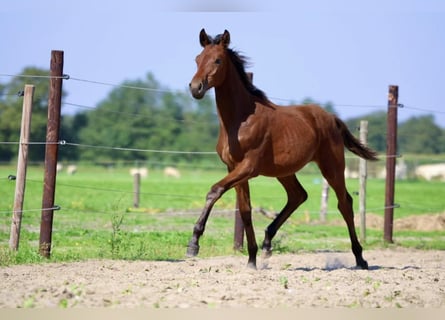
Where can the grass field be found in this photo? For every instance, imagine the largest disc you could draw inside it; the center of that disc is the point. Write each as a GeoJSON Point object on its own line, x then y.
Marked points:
{"type": "Point", "coordinates": [97, 220]}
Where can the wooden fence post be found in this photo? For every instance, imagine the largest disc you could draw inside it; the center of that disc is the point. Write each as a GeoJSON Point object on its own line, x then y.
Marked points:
{"type": "Point", "coordinates": [324, 200]}
{"type": "Point", "coordinates": [363, 174]}
{"type": "Point", "coordinates": [51, 151]}
{"type": "Point", "coordinates": [238, 239]}
{"type": "Point", "coordinates": [391, 149]}
{"type": "Point", "coordinates": [22, 164]}
{"type": "Point", "coordinates": [136, 189]}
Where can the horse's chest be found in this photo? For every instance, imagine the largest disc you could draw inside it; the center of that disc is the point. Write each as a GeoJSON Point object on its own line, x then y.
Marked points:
{"type": "Point", "coordinates": [251, 133]}
{"type": "Point", "coordinates": [234, 145]}
{"type": "Point", "coordinates": [230, 151]}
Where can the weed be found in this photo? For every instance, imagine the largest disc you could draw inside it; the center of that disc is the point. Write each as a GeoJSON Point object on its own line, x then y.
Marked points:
{"type": "Point", "coordinates": [354, 304]}
{"type": "Point", "coordinates": [30, 302]}
{"type": "Point", "coordinates": [7, 257]}
{"type": "Point", "coordinates": [127, 291]}
{"type": "Point", "coordinates": [284, 282]}
{"type": "Point", "coordinates": [63, 303]}
{"type": "Point", "coordinates": [287, 266]}
{"type": "Point", "coordinates": [116, 235]}
{"type": "Point", "coordinates": [376, 285]}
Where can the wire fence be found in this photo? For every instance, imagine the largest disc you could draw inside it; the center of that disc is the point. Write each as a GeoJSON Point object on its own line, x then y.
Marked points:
{"type": "Point", "coordinates": [83, 145]}
{"type": "Point", "coordinates": [118, 148]}
{"type": "Point", "coordinates": [85, 188]}
{"type": "Point", "coordinates": [68, 77]}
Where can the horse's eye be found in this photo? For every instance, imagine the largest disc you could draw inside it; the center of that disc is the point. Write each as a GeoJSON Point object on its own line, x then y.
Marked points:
{"type": "Point", "coordinates": [218, 61]}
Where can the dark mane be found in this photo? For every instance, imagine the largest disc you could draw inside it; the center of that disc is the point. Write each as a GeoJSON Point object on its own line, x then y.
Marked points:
{"type": "Point", "coordinates": [240, 61]}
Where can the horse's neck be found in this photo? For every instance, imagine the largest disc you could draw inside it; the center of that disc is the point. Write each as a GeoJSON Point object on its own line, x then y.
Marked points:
{"type": "Point", "coordinates": [234, 103]}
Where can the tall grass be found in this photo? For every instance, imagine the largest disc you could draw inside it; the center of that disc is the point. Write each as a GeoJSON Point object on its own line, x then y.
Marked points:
{"type": "Point", "coordinates": [97, 220]}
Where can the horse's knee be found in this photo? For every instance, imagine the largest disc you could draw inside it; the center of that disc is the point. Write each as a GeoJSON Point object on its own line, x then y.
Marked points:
{"type": "Point", "coordinates": [198, 229]}
{"type": "Point", "coordinates": [215, 193]}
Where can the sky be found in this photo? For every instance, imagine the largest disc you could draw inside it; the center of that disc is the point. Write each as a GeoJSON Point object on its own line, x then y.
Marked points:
{"type": "Point", "coordinates": [341, 51]}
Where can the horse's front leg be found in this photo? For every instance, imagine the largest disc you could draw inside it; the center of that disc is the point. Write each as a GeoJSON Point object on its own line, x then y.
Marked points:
{"type": "Point", "coordinates": [239, 175]}
{"type": "Point", "coordinates": [214, 194]}
{"type": "Point", "coordinates": [245, 210]}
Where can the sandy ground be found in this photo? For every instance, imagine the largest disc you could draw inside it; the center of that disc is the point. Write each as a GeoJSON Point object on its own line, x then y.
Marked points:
{"type": "Point", "coordinates": [397, 278]}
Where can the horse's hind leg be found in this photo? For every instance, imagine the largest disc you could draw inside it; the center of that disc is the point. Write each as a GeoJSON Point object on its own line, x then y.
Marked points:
{"type": "Point", "coordinates": [334, 173]}
{"type": "Point", "coordinates": [296, 195]}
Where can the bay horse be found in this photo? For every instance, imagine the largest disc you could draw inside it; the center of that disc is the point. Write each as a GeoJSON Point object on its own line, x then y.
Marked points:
{"type": "Point", "coordinates": [258, 137]}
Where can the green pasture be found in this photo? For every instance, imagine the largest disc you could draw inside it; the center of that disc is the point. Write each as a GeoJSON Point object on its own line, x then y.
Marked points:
{"type": "Point", "coordinates": [97, 219]}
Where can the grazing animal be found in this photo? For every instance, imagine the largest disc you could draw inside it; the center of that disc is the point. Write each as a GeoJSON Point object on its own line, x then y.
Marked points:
{"type": "Point", "coordinates": [172, 172]}
{"type": "Point", "coordinates": [143, 172]}
{"type": "Point", "coordinates": [431, 171]}
{"type": "Point", "coordinates": [71, 169]}
{"type": "Point", "coordinates": [257, 137]}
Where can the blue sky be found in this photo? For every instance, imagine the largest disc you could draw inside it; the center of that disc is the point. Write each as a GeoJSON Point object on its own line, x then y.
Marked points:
{"type": "Point", "coordinates": [346, 52]}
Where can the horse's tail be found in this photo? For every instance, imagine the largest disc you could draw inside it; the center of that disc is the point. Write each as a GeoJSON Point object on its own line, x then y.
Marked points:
{"type": "Point", "coordinates": [353, 144]}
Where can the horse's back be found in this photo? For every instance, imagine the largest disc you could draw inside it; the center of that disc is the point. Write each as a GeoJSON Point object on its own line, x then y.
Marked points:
{"type": "Point", "coordinates": [312, 118]}
{"type": "Point", "coordinates": [313, 112]}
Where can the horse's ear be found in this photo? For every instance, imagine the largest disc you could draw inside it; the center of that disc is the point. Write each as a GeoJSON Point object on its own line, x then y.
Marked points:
{"type": "Point", "coordinates": [225, 39]}
{"type": "Point", "coordinates": [204, 38]}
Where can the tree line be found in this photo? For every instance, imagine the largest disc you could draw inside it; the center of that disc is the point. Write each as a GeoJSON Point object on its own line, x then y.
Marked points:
{"type": "Point", "coordinates": [160, 119]}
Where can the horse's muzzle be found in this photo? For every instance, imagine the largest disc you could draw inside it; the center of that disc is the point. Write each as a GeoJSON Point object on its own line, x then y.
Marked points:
{"type": "Point", "coordinates": [198, 88]}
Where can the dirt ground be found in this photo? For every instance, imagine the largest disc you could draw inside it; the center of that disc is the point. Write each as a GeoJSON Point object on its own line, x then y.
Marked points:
{"type": "Point", "coordinates": [424, 222]}
{"type": "Point", "coordinates": [396, 278]}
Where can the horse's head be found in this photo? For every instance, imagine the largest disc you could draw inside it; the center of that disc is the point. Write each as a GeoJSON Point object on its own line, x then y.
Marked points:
{"type": "Point", "coordinates": [211, 62]}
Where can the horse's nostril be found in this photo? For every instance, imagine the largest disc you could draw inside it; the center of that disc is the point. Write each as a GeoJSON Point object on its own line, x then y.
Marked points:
{"type": "Point", "coordinates": [198, 88]}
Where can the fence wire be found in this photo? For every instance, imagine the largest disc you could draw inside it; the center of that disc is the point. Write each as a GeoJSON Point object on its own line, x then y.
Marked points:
{"type": "Point", "coordinates": [68, 77]}
{"type": "Point", "coordinates": [117, 148]}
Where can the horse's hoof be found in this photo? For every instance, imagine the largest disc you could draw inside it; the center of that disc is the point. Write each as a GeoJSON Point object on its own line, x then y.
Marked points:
{"type": "Point", "coordinates": [192, 250]}
{"type": "Point", "coordinates": [251, 265]}
{"type": "Point", "coordinates": [267, 253]}
{"type": "Point", "coordinates": [362, 264]}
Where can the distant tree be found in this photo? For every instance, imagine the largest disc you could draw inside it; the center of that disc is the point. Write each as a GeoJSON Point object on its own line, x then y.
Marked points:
{"type": "Point", "coordinates": [200, 128]}
{"type": "Point", "coordinates": [69, 131]}
{"type": "Point", "coordinates": [420, 135]}
{"type": "Point", "coordinates": [415, 135]}
{"type": "Point", "coordinates": [124, 119]}
{"type": "Point", "coordinates": [11, 113]}
{"type": "Point", "coordinates": [308, 100]}
{"type": "Point", "coordinates": [328, 106]}
{"type": "Point", "coordinates": [442, 141]}
{"type": "Point", "coordinates": [155, 119]}
{"type": "Point", "coordinates": [376, 129]}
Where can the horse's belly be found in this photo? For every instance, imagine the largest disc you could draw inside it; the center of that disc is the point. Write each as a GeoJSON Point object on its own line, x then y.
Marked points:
{"type": "Point", "coordinates": [286, 162]}
{"type": "Point", "coordinates": [278, 170]}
